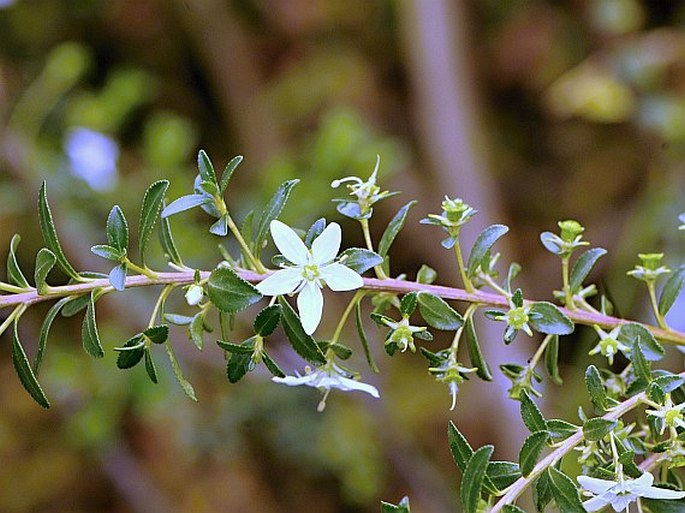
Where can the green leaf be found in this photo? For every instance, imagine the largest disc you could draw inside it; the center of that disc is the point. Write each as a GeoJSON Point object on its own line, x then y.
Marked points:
{"type": "Point", "coordinates": [150, 366]}
{"type": "Point", "coordinates": [178, 373]}
{"type": "Point", "coordinates": [272, 365]}
{"type": "Point", "coordinates": [438, 313]}
{"type": "Point", "coordinates": [402, 507]}
{"type": "Point", "coordinates": [393, 228]}
{"type": "Point", "coordinates": [669, 382]}
{"type": "Point", "coordinates": [360, 260]}
{"type": "Point", "coordinates": [475, 354]}
{"type": "Point", "coordinates": [272, 210]}
{"type": "Point", "coordinates": [547, 318]}
{"type": "Point", "coordinates": [178, 320]}
{"type": "Point", "coordinates": [107, 252]}
{"type": "Point", "coordinates": [149, 214]}
{"type": "Point", "coordinates": [45, 330]}
{"type": "Point", "coordinates": [542, 491]}
{"type": "Point", "coordinates": [89, 331]}
{"type": "Point", "coordinates": [240, 364]}
{"type": "Point", "coordinates": [267, 320]}
{"type": "Point", "coordinates": [314, 231]}
{"type": "Point", "coordinates": [503, 473]}
{"type": "Point", "coordinates": [671, 290]}
{"type": "Point", "coordinates": [131, 353]}
{"type": "Point", "coordinates": [564, 492]}
{"type": "Point", "coordinates": [512, 508]}
{"type": "Point", "coordinates": [185, 203]}
{"type": "Point", "coordinates": [228, 172]}
{"type": "Point", "coordinates": [167, 241]}
{"type": "Point", "coordinates": [426, 274]}
{"type": "Point", "coordinates": [236, 348]}
{"type": "Point", "coordinates": [45, 261]}
{"type": "Point", "coordinates": [220, 228]}
{"type": "Point", "coordinates": [484, 242]}
{"type": "Point", "coordinates": [157, 334]}
{"type": "Point", "coordinates": [47, 228]}
{"type": "Point", "coordinates": [552, 359]}
{"type": "Point", "coordinates": [459, 447]}
{"type": "Point", "coordinates": [408, 303]}
{"type": "Point", "coordinates": [597, 428]}
{"type": "Point", "coordinates": [472, 480]}
{"type": "Point", "coordinates": [531, 414]}
{"type": "Point", "coordinates": [24, 371]}
{"type": "Point", "coordinates": [117, 229]}
{"type": "Point", "coordinates": [303, 344]}
{"type": "Point", "coordinates": [531, 450]}
{"type": "Point", "coordinates": [583, 266]}
{"type": "Point", "coordinates": [664, 505]}
{"type": "Point", "coordinates": [197, 330]}
{"type": "Point", "coordinates": [641, 366]}
{"type": "Point", "coordinates": [561, 429]}
{"type": "Point", "coordinates": [75, 305]}
{"type": "Point", "coordinates": [595, 387]}
{"type": "Point", "coordinates": [205, 167]}
{"type": "Point", "coordinates": [363, 338]}
{"type": "Point", "coordinates": [229, 292]}
{"type": "Point", "coordinates": [651, 349]}
{"type": "Point", "coordinates": [14, 274]}
{"type": "Point", "coordinates": [117, 277]}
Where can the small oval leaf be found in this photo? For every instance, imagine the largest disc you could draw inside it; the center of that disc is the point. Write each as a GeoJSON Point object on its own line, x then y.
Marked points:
{"type": "Point", "coordinates": [117, 229]}
{"type": "Point", "coordinates": [531, 450]}
{"type": "Point", "coordinates": [671, 290]}
{"type": "Point", "coordinates": [229, 292]}
{"type": "Point", "coordinates": [597, 428]}
{"type": "Point", "coordinates": [583, 266]}
{"type": "Point", "coordinates": [483, 244]}
{"type": "Point", "coordinates": [438, 313]}
{"type": "Point", "coordinates": [393, 228]}
{"type": "Point", "coordinates": [267, 320]}
{"type": "Point", "coordinates": [548, 319]}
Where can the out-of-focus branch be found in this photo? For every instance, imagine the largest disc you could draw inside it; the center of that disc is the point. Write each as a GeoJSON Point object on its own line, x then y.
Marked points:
{"type": "Point", "coordinates": [224, 50]}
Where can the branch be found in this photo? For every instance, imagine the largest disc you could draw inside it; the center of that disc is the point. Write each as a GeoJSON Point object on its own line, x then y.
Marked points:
{"type": "Point", "coordinates": [387, 285]}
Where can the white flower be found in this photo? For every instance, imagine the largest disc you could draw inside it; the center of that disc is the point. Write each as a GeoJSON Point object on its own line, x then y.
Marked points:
{"type": "Point", "coordinates": [622, 492]}
{"type": "Point", "coordinates": [670, 413]}
{"type": "Point", "coordinates": [609, 344]}
{"type": "Point", "coordinates": [311, 269]}
{"type": "Point", "coordinates": [325, 378]}
{"type": "Point", "coordinates": [194, 294]}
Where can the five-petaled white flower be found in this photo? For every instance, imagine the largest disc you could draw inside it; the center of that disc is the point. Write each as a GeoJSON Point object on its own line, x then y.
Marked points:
{"type": "Point", "coordinates": [671, 414]}
{"type": "Point", "coordinates": [310, 270]}
{"type": "Point", "coordinates": [325, 378]}
{"type": "Point", "coordinates": [622, 492]}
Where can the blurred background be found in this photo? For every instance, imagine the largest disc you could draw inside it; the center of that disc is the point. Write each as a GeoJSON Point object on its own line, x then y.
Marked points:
{"type": "Point", "coordinates": [531, 111]}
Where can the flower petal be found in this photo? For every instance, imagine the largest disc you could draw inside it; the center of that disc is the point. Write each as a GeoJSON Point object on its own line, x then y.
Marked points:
{"type": "Point", "coordinates": [347, 384]}
{"type": "Point", "coordinates": [310, 306]}
{"type": "Point", "coordinates": [339, 277]}
{"type": "Point", "coordinates": [325, 247]}
{"type": "Point", "coordinates": [659, 493]}
{"type": "Point", "coordinates": [293, 381]}
{"type": "Point", "coordinates": [595, 485]}
{"type": "Point", "coordinates": [281, 282]}
{"type": "Point", "coordinates": [596, 503]}
{"type": "Point", "coordinates": [289, 243]}
{"type": "Point", "coordinates": [620, 503]}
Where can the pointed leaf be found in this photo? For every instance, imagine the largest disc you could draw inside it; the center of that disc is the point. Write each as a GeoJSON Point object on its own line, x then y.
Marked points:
{"type": "Point", "coordinates": [548, 319]}
{"type": "Point", "coordinates": [229, 292]}
{"type": "Point", "coordinates": [117, 277]}
{"type": "Point", "coordinates": [228, 172]}
{"type": "Point", "coordinates": [552, 359]}
{"type": "Point", "coordinates": [185, 203]}
{"type": "Point", "coordinates": [475, 353]}
{"type": "Point", "coordinates": [583, 266]}
{"type": "Point", "coordinates": [483, 244]}
{"type": "Point", "coordinates": [131, 353]}
{"type": "Point", "coordinates": [47, 228]}
{"type": "Point", "coordinates": [272, 210]}
{"type": "Point", "coordinates": [240, 364]}
{"type": "Point", "coordinates": [459, 447]}
{"type": "Point", "coordinates": [393, 228]}
{"type": "Point", "coordinates": [595, 387]}
{"type": "Point", "coordinates": [560, 428]}
{"type": "Point", "coordinates": [205, 167]}
{"type": "Point", "coordinates": [472, 480]}
{"type": "Point", "coordinates": [531, 450]}
{"type": "Point", "coordinates": [178, 373]}
{"type": "Point", "coordinates": [671, 290]}
{"type": "Point", "coordinates": [426, 274]}
{"type": "Point", "coordinates": [89, 331]}
{"type": "Point", "coordinates": [45, 330]}
{"type": "Point", "coordinates": [272, 365]}
{"type": "Point", "coordinates": [564, 492]}
{"type": "Point", "coordinates": [651, 349]}
{"type": "Point", "coordinates": [531, 414]}
{"type": "Point", "coordinates": [303, 344]}
{"type": "Point", "coordinates": [75, 305]}
{"type": "Point", "coordinates": [117, 229]}
{"type": "Point", "coordinates": [107, 252]}
{"type": "Point", "coordinates": [408, 303]}
{"type": "Point", "coordinates": [363, 338]}
{"type": "Point", "coordinates": [14, 274]}
{"type": "Point", "coordinates": [597, 428]}
{"type": "Point", "coordinates": [542, 491]}
{"type": "Point", "coordinates": [503, 473]}
{"type": "Point", "coordinates": [438, 313]}
{"type": "Point", "coordinates": [150, 367]}
{"type": "Point", "coordinates": [157, 334]}
{"type": "Point", "coordinates": [267, 320]}
{"type": "Point", "coordinates": [641, 366]}
{"type": "Point", "coordinates": [149, 214]}
{"type": "Point", "coordinates": [360, 260]}
{"type": "Point", "coordinates": [167, 241]}
{"type": "Point", "coordinates": [314, 231]}
{"type": "Point", "coordinates": [24, 371]}
{"type": "Point", "coordinates": [45, 261]}
{"type": "Point", "coordinates": [197, 330]}
{"type": "Point", "coordinates": [241, 348]}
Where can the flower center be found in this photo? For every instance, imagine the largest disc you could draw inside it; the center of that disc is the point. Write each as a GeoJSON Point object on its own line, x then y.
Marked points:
{"type": "Point", "coordinates": [517, 318]}
{"type": "Point", "coordinates": [311, 272]}
{"type": "Point", "coordinates": [608, 346]}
